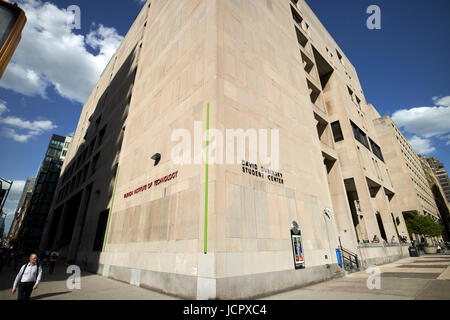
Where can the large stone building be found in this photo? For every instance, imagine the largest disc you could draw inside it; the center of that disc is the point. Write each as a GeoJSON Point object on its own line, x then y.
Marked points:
{"type": "Point", "coordinates": [441, 174]}
{"type": "Point", "coordinates": [406, 171]}
{"type": "Point", "coordinates": [439, 196]}
{"type": "Point", "coordinates": [125, 209]}
{"type": "Point", "coordinates": [22, 207]}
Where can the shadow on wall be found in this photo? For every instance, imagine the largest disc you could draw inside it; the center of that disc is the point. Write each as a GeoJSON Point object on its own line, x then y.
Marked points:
{"type": "Point", "coordinates": [80, 209]}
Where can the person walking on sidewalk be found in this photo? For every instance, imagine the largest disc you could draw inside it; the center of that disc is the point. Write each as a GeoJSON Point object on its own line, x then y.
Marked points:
{"type": "Point", "coordinates": [53, 257]}
{"type": "Point", "coordinates": [28, 279]}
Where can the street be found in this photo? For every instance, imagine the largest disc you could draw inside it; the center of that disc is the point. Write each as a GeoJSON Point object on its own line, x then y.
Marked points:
{"type": "Point", "coordinates": [423, 278]}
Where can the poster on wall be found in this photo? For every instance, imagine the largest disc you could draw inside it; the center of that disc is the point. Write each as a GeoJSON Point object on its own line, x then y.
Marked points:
{"type": "Point", "coordinates": [297, 247]}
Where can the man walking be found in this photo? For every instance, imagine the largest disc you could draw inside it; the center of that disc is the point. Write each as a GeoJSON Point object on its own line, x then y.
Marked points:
{"type": "Point", "coordinates": [28, 279]}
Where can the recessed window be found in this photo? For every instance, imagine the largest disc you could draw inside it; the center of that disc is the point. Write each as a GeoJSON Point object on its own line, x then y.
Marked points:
{"type": "Point", "coordinates": [339, 55]}
{"type": "Point", "coordinates": [297, 18]}
{"type": "Point", "coordinates": [337, 131]}
{"type": "Point", "coordinates": [101, 135]}
{"type": "Point", "coordinates": [376, 150]}
{"type": "Point", "coordinates": [350, 91]}
{"type": "Point", "coordinates": [95, 162]}
{"type": "Point", "coordinates": [324, 69]}
{"type": "Point", "coordinates": [301, 38]}
{"type": "Point", "coordinates": [314, 92]}
{"type": "Point", "coordinates": [308, 65]}
{"type": "Point", "coordinates": [360, 135]}
{"type": "Point", "coordinates": [97, 122]}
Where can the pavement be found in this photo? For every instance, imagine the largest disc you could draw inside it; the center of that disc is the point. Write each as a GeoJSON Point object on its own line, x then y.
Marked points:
{"type": "Point", "coordinates": [93, 287]}
{"type": "Point", "coordinates": [423, 278]}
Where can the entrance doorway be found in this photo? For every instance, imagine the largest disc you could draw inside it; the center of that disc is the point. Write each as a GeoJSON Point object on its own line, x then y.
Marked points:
{"type": "Point", "coordinates": [381, 226]}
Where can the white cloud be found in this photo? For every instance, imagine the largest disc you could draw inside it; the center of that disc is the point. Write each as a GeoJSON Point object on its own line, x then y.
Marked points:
{"type": "Point", "coordinates": [442, 101]}
{"type": "Point", "coordinates": [425, 123]}
{"type": "Point", "coordinates": [23, 80]}
{"type": "Point", "coordinates": [50, 54]}
{"type": "Point", "coordinates": [30, 128]}
{"type": "Point", "coordinates": [12, 134]}
{"type": "Point", "coordinates": [421, 146]}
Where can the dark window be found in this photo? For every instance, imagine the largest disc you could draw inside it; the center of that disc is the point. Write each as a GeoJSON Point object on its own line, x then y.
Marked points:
{"type": "Point", "coordinates": [298, 19]}
{"type": "Point", "coordinates": [301, 38]}
{"type": "Point", "coordinates": [91, 146]}
{"type": "Point", "coordinates": [95, 162]}
{"type": "Point", "coordinates": [360, 135]}
{"type": "Point", "coordinates": [85, 171]}
{"type": "Point", "coordinates": [376, 150]}
{"type": "Point", "coordinates": [350, 91]}
{"type": "Point", "coordinates": [97, 122]}
{"type": "Point", "coordinates": [2, 194]}
{"type": "Point", "coordinates": [337, 131]}
{"type": "Point", "coordinates": [339, 56]}
{"type": "Point", "coordinates": [381, 227]}
{"type": "Point", "coordinates": [101, 135]}
{"type": "Point", "coordinates": [101, 230]}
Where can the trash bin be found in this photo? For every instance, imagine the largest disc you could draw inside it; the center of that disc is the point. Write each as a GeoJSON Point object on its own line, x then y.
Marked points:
{"type": "Point", "coordinates": [413, 252]}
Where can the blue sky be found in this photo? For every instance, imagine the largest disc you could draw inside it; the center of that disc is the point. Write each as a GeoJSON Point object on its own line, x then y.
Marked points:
{"type": "Point", "coordinates": [404, 70]}
{"type": "Point", "coordinates": [33, 115]}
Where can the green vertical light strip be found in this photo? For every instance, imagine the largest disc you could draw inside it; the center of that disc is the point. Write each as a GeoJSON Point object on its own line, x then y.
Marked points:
{"type": "Point", "coordinates": [207, 180]}
{"type": "Point", "coordinates": [111, 209]}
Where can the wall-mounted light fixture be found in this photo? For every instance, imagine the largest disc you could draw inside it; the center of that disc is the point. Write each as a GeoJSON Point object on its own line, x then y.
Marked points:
{"type": "Point", "coordinates": [157, 158]}
{"type": "Point", "coordinates": [327, 212]}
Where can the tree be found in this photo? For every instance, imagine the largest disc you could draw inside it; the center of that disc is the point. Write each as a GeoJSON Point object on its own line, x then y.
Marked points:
{"type": "Point", "coordinates": [423, 225]}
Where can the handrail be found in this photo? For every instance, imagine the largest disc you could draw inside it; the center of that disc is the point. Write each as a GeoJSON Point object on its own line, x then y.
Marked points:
{"type": "Point", "coordinates": [348, 251]}
{"type": "Point", "coordinates": [350, 256]}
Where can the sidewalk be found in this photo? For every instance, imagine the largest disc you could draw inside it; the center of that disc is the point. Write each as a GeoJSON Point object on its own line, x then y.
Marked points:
{"type": "Point", "coordinates": [423, 278]}
{"type": "Point", "coordinates": [93, 287]}
{"type": "Point", "coordinates": [426, 277]}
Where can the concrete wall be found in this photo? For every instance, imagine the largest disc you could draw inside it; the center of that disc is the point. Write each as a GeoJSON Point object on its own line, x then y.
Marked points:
{"type": "Point", "coordinates": [381, 255]}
